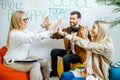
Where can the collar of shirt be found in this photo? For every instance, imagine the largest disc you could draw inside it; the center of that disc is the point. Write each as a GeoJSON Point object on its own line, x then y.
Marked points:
{"type": "Point", "coordinates": [74, 29]}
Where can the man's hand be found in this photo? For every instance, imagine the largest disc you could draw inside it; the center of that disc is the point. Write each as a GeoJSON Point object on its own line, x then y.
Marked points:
{"type": "Point", "coordinates": [57, 26]}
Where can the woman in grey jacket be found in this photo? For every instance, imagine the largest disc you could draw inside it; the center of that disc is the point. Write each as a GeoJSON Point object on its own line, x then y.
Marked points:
{"type": "Point", "coordinates": [99, 52]}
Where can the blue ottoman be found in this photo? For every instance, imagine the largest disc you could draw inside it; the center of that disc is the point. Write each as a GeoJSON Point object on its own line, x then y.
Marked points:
{"type": "Point", "coordinates": [66, 76]}
{"type": "Point", "coordinates": [70, 76]}
{"type": "Point", "coordinates": [115, 71]}
{"type": "Point", "coordinates": [78, 78]}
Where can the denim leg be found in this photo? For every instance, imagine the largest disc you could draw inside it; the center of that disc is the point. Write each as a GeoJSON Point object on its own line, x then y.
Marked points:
{"type": "Point", "coordinates": [54, 57]}
{"type": "Point", "coordinates": [70, 58]}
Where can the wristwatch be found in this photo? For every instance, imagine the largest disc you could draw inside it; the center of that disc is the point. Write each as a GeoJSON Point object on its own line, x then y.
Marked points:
{"type": "Point", "coordinates": [42, 26]}
{"type": "Point", "coordinates": [64, 34]}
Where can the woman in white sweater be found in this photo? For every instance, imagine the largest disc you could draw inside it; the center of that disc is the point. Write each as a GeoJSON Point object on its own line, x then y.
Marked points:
{"type": "Point", "coordinates": [99, 53]}
{"type": "Point", "coordinates": [18, 43]}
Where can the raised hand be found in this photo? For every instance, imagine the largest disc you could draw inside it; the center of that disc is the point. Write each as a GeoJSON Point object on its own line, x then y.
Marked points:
{"type": "Point", "coordinates": [46, 23]}
{"type": "Point", "coordinates": [57, 26]}
{"type": "Point", "coordinates": [84, 32]}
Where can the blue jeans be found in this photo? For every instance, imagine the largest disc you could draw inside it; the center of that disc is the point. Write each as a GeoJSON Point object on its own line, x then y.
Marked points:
{"type": "Point", "coordinates": [70, 76]}
{"type": "Point", "coordinates": [67, 59]}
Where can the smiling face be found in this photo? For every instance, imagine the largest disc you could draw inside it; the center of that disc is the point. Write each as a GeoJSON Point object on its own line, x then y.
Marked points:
{"type": "Point", "coordinates": [74, 20]}
{"type": "Point", "coordinates": [19, 20]}
{"type": "Point", "coordinates": [94, 30]}
{"type": "Point", "coordinates": [24, 21]}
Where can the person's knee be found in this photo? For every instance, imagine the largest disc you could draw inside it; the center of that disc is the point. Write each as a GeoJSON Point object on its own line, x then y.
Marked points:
{"type": "Point", "coordinates": [66, 57]}
{"type": "Point", "coordinates": [36, 65]}
{"type": "Point", "coordinates": [44, 62]}
{"type": "Point", "coordinates": [53, 52]}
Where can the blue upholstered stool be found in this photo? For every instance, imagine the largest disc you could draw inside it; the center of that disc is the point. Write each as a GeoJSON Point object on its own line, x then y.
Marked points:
{"type": "Point", "coordinates": [70, 76]}
{"type": "Point", "coordinates": [115, 71]}
{"type": "Point", "coordinates": [67, 76]}
{"type": "Point", "coordinates": [78, 78]}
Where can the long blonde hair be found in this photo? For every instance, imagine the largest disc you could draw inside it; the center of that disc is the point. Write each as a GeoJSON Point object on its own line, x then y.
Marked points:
{"type": "Point", "coordinates": [103, 31]}
{"type": "Point", "coordinates": [15, 23]}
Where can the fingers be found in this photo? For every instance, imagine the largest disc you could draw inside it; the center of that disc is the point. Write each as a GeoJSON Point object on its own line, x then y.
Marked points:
{"type": "Point", "coordinates": [45, 22]}
{"type": "Point", "coordinates": [57, 26]}
{"type": "Point", "coordinates": [86, 27]}
{"type": "Point", "coordinates": [59, 30]}
{"type": "Point", "coordinates": [59, 22]}
{"type": "Point", "coordinates": [86, 31]}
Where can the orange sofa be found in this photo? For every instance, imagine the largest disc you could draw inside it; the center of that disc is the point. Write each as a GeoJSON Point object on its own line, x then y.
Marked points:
{"type": "Point", "coordinates": [7, 73]}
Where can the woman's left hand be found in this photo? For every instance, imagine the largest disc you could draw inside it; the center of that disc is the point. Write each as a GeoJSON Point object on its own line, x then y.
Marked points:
{"type": "Point", "coordinates": [46, 23]}
{"type": "Point", "coordinates": [84, 32]}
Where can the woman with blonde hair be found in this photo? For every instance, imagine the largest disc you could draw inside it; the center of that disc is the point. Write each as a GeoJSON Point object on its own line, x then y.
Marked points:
{"type": "Point", "coordinates": [99, 53]}
{"type": "Point", "coordinates": [18, 43]}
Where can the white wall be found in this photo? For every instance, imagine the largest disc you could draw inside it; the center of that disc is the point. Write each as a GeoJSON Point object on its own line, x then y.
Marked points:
{"type": "Point", "coordinates": [38, 9]}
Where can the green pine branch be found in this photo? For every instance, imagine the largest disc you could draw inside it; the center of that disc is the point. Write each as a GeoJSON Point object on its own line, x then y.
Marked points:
{"type": "Point", "coordinates": [116, 10]}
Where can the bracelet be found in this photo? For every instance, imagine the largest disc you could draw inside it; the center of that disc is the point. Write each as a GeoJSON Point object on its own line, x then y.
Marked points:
{"type": "Point", "coordinates": [42, 26]}
{"type": "Point", "coordinates": [64, 34]}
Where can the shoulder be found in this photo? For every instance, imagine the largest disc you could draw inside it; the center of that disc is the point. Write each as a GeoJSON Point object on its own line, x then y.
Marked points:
{"type": "Point", "coordinates": [66, 29]}
{"type": "Point", "coordinates": [15, 32]}
{"type": "Point", "coordinates": [80, 25]}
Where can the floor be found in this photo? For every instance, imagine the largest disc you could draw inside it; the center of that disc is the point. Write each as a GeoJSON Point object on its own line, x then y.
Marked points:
{"type": "Point", "coordinates": [54, 78]}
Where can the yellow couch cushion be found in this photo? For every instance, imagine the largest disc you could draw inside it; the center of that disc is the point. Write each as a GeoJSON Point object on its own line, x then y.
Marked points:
{"type": "Point", "coordinates": [60, 67]}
